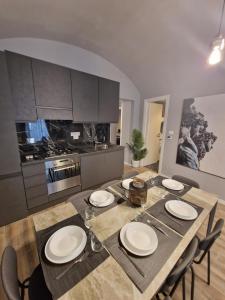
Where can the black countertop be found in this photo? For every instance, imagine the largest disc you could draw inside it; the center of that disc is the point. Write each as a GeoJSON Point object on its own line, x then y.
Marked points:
{"type": "Point", "coordinates": [89, 150]}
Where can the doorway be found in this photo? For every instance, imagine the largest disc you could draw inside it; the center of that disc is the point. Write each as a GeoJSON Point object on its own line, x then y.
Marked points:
{"type": "Point", "coordinates": [120, 133]}
{"type": "Point", "coordinates": [154, 131]}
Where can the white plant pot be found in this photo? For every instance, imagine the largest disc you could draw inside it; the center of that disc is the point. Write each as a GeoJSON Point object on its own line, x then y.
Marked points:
{"type": "Point", "coordinates": [135, 163]}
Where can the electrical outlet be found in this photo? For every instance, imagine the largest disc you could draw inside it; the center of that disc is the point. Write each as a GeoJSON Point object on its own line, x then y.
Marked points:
{"type": "Point", "coordinates": [75, 135]}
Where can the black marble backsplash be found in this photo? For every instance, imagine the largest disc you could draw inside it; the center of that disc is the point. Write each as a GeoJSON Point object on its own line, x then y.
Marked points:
{"type": "Point", "coordinates": [60, 131]}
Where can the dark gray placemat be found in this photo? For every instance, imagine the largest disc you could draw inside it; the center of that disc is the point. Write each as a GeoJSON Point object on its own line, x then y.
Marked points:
{"type": "Point", "coordinates": [77, 272]}
{"type": "Point", "coordinates": [158, 211]}
{"type": "Point", "coordinates": [158, 182]}
{"type": "Point", "coordinates": [81, 204]}
{"type": "Point", "coordinates": [151, 264]}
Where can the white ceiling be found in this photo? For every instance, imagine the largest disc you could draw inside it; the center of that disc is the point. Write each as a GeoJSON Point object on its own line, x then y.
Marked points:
{"type": "Point", "coordinates": [149, 40]}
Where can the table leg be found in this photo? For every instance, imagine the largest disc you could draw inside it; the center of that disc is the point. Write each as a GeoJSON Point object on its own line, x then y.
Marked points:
{"type": "Point", "coordinates": [211, 219]}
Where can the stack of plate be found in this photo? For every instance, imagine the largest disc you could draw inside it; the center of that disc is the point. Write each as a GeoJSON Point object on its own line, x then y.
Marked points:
{"type": "Point", "coordinates": [101, 198]}
{"type": "Point", "coordinates": [139, 238]}
{"type": "Point", "coordinates": [172, 184]}
{"type": "Point", "coordinates": [126, 183]}
{"type": "Point", "coordinates": [65, 244]}
{"type": "Point", "coordinates": [181, 210]}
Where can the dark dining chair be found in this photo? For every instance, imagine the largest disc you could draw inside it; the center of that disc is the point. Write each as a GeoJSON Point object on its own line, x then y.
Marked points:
{"type": "Point", "coordinates": [186, 180]}
{"type": "Point", "coordinates": [179, 271]}
{"type": "Point", "coordinates": [82, 195]}
{"type": "Point", "coordinates": [109, 183]}
{"type": "Point", "coordinates": [206, 244]}
{"type": "Point", "coordinates": [15, 289]}
{"type": "Point", "coordinates": [130, 174]}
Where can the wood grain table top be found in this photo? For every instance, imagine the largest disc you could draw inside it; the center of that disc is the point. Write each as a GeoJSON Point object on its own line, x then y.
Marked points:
{"type": "Point", "coordinates": [108, 280]}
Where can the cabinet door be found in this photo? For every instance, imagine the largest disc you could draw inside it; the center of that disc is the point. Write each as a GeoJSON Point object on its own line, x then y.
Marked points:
{"type": "Point", "coordinates": [9, 152]}
{"type": "Point", "coordinates": [54, 113]}
{"type": "Point", "coordinates": [108, 101]}
{"type": "Point", "coordinates": [85, 97]}
{"type": "Point", "coordinates": [52, 85]}
{"type": "Point", "coordinates": [22, 88]}
{"type": "Point", "coordinates": [114, 164]}
{"type": "Point", "coordinates": [13, 200]}
{"type": "Point", "coordinates": [92, 170]}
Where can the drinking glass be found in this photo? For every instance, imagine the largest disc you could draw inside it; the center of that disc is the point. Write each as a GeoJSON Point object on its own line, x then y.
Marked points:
{"type": "Point", "coordinates": [89, 215]}
{"type": "Point", "coordinates": [96, 245]}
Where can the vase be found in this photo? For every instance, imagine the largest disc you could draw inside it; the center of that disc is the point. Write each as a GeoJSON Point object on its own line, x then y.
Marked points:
{"type": "Point", "coordinates": [135, 163]}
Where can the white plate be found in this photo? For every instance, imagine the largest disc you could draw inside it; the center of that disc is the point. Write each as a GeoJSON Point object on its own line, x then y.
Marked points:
{"type": "Point", "coordinates": [56, 246]}
{"type": "Point", "coordinates": [172, 184]}
{"type": "Point", "coordinates": [181, 210]}
{"type": "Point", "coordinates": [139, 236]}
{"type": "Point", "coordinates": [126, 183]}
{"type": "Point", "coordinates": [101, 198]}
{"type": "Point", "coordinates": [132, 245]}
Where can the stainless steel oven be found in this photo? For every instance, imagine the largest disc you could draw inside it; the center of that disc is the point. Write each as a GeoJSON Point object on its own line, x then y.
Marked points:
{"type": "Point", "coordinates": [62, 173]}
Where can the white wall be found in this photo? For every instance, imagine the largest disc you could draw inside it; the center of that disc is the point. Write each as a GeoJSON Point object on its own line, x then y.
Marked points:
{"type": "Point", "coordinates": [188, 85]}
{"type": "Point", "coordinates": [76, 58]}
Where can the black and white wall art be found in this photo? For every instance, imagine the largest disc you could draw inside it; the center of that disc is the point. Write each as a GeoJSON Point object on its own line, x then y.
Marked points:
{"type": "Point", "coordinates": [201, 144]}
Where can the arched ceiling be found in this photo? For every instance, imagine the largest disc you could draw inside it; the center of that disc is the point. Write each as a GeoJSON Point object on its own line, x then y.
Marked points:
{"type": "Point", "coordinates": [149, 40]}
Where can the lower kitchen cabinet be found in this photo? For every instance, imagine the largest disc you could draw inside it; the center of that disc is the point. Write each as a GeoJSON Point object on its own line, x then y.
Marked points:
{"type": "Point", "coordinates": [13, 200]}
{"type": "Point", "coordinates": [35, 183]}
{"type": "Point", "coordinates": [98, 168]}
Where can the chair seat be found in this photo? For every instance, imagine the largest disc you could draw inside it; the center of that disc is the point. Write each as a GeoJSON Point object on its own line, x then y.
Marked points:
{"type": "Point", "coordinates": [37, 289]}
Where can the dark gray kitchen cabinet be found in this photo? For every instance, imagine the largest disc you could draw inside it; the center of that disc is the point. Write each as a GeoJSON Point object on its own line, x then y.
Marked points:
{"type": "Point", "coordinates": [92, 170]}
{"type": "Point", "coordinates": [114, 163]}
{"type": "Point", "coordinates": [108, 107]}
{"type": "Point", "coordinates": [85, 97]}
{"type": "Point", "coordinates": [9, 152]}
{"type": "Point", "coordinates": [35, 184]}
{"type": "Point", "coordinates": [13, 200]}
{"type": "Point", "coordinates": [22, 88]}
{"type": "Point", "coordinates": [98, 168]}
{"type": "Point", "coordinates": [54, 113]}
{"type": "Point", "coordinates": [52, 85]}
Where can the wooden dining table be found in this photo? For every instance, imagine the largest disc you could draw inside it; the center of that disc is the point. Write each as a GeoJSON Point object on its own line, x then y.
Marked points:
{"type": "Point", "coordinates": [109, 280]}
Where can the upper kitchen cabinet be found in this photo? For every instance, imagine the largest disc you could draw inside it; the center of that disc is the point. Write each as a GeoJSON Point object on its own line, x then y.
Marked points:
{"type": "Point", "coordinates": [9, 152]}
{"type": "Point", "coordinates": [85, 97]}
{"type": "Point", "coordinates": [108, 110]}
{"type": "Point", "coordinates": [52, 85]}
{"type": "Point", "coordinates": [22, 88]}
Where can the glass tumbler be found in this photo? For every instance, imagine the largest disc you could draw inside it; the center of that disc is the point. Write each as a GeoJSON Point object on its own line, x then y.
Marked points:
{"type": "Point", "coordinates": [96, 245]}
{"type": "Point", "coordinates": [89, 215]}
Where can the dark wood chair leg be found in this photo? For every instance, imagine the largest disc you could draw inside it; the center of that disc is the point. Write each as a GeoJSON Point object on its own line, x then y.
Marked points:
{"type": "Point", "coordinates": [208, 271]}
{"type": "Point", "coordinates": [183, 288]}
{"type": "Point", "coordinates": [157, 297]}
{"type": "Point", "coordinates": [192, 283]}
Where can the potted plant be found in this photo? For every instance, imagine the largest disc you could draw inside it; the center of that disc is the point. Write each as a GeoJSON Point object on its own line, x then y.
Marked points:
{"type": "Point", "coordinates": [137, 148]}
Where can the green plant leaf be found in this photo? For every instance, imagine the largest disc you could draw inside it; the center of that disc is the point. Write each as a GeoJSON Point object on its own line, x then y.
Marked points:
{"type": "Point", "coordinates": [137, 144]}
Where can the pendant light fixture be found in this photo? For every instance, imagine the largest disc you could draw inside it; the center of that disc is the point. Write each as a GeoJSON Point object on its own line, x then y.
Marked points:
{"type": "Point", "coordinates": [218, 44]}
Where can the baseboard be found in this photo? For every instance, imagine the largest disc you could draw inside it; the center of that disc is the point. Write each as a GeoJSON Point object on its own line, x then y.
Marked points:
{"type": "Point", "coordinates": [127, 163]}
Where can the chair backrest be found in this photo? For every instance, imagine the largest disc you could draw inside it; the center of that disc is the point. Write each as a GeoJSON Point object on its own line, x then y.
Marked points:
{"type": "Point", "coordinates": [184, 263]}
{"type": "Point", "coordinates": [130, 174]}
{"type": "Point", "coordinates": [9, 274]}
{"type": "Point", "coordinates": [82, 195]}
{"type": "Point", "coordinates": [109, 183]}
{"type": "Point", "coordinates": [186, 180]}
{"type": "Point", "coordinates": [208, 241]}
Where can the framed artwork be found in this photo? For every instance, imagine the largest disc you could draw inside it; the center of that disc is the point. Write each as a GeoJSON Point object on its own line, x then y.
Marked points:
{"type": "Point", "coordinates": [201, 144]}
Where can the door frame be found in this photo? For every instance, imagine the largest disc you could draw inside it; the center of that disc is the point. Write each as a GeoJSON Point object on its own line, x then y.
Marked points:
{"type": "Point", "coordinates": [166, 99]}
{"type": "Point", "coordinates": [131, 118]}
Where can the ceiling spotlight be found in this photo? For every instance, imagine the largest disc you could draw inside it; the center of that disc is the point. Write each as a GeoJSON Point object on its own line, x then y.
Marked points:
{"type": "Point", "coordinates": [218, 44]}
